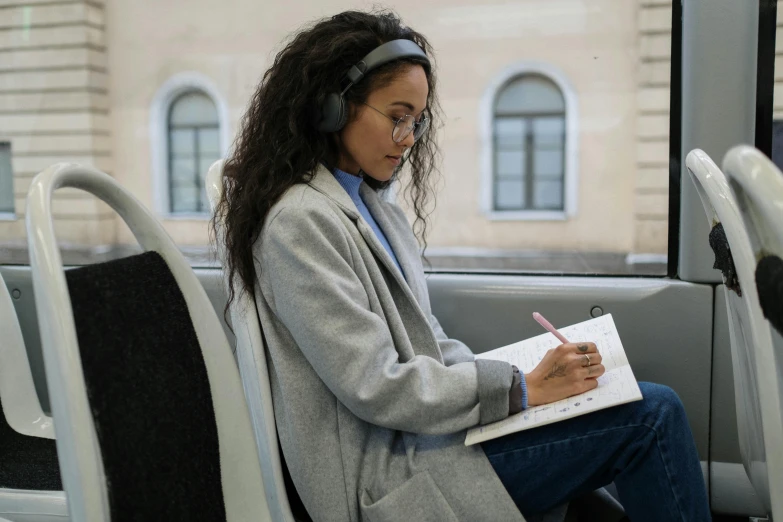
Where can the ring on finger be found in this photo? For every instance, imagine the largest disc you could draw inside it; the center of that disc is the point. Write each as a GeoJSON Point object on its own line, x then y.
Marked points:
{"type": "Point", "coordinates": [587, 360]}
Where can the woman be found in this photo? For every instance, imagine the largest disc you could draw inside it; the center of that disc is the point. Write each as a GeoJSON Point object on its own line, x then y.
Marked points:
{"type": "Point", "coordinates": [372, 399]}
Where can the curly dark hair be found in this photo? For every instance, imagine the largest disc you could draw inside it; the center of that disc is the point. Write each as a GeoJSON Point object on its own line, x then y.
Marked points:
{"type": "Point", "coordinates": [279, 144]}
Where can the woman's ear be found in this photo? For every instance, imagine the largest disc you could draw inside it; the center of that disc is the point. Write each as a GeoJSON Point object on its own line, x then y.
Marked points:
{"type": "Point", "coordinates": [335, 138]}
{"type": "Point", "coordinates": [351, 109]}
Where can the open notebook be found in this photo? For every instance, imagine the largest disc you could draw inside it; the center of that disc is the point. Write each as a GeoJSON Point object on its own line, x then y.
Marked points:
{"type": "Point", "coordinates": [616, 386]}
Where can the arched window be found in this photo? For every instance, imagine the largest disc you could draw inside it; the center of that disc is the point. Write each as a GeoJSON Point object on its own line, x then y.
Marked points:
{"type": "Point", "coordinates": [193, 145]}
{"type": "Point", "coordinates": [188, 131]}
{"type": "Point", "coordinates": [529, 146]}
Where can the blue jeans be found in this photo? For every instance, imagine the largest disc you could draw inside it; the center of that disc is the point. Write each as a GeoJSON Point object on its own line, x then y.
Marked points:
{"type": "Point", "coordinates": [645, 447]}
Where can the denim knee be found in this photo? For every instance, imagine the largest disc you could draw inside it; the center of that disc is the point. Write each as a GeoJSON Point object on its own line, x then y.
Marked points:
{"type": "Point", "coordinates": [661, 402]}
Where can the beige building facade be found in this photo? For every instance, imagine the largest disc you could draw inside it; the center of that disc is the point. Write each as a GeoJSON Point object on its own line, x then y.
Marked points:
{"type": "Point", "coordinates": [93, 82]}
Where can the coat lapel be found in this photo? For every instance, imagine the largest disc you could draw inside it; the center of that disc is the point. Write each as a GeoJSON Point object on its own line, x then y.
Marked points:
{"type": "Point", "coordinates": [407, 253]}
{"type": "Point", "coordinates": [325, 182]}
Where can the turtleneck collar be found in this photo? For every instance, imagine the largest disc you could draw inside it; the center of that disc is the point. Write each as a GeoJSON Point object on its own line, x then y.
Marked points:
{"type": "Point", "coordinates": [349, 182]}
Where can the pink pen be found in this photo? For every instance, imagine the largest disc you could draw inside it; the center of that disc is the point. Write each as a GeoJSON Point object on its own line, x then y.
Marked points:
{"type": "Point", "coordinates": [546, 324]}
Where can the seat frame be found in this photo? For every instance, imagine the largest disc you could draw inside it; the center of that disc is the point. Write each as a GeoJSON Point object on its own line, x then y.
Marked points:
{"type": "Point", "coordinates": [720, 206]}
{"type": "Point", "coordinates": [251, 359]}
{"type": "Point", "coordinates": [23, 413]}
{"type": "Point", "coordinates": [78, 450]}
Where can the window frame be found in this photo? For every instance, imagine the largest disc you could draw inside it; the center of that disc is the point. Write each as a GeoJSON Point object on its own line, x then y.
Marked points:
{"type": "Point", "coordinates": [160, 109]}
{"type": "Point", "coordinates": [571, 151]}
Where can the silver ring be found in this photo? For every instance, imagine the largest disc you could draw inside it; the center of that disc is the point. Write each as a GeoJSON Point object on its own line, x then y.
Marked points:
{"type": "Point", "coordinates": [588, 360]}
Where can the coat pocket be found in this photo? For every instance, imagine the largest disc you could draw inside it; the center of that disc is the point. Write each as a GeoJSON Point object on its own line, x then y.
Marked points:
{"type": "Point", "coordinates": [417, 499]}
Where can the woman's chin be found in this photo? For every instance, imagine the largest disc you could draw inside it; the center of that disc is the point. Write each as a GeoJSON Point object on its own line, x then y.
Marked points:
{"type": "Point", "coordinates": [381, 175]}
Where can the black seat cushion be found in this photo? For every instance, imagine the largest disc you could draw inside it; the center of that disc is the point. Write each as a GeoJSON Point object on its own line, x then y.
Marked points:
{"type": "Point", "coordinates": [723, 260]}
{"type": "Point", "coordinates": [148, 390]}
{"type": "Point", "coordinates": [769, 283]}
{"type": "Point", "coordinates": [27, 462]}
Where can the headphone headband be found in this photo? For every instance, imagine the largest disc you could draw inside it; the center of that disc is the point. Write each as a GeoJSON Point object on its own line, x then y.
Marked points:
{"type": "Point", "coordinates": [333, 113]}
{"type": "Point", "coordinates": [384, 54]}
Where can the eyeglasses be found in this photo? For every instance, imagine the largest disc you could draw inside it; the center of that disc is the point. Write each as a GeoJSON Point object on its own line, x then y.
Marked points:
{"type": "Point", "coordinates": [403, 126]}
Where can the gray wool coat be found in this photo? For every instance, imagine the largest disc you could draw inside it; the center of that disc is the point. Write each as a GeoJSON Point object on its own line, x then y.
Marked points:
{"type": "Point", "coordinates": [372, 400]}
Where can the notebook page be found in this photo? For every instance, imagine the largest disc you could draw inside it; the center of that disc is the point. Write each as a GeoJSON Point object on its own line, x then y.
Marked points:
{"type": "Point", "coordinates": [617, 386]}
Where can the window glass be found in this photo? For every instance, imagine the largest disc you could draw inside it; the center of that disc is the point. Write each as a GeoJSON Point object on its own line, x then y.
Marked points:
{"type": "Point", "coordinates": [777, 143]}
{"type": "Point", "coordinates": [554, 138]}
{"type": "Point", "coordinates": [194, 144]}
{"type": "Point", "coordinates": [6, 180]}
{"type": "Point", "coordinates": [777, 114]}
{"type": "Point", "coordinates": [529, 149]}
{"type": "Point", "coordinates": [530, 94]}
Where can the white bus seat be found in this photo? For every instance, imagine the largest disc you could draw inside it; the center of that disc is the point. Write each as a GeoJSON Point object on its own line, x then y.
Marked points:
{"type": "Point", "coordinates": [756, 387]}
{"type": "Point", "coordinates": [44, 506]}
{"type": "Point", "coordinates": [141, 376]}
{"type": "Point", "coordinates": [18, 397]}
{"type": "Point", "coordinates": [251, 358]}
{"type": "Point", "coordinates": [758, 187]}
{"type": "Point", "coordinates": [30, 485]}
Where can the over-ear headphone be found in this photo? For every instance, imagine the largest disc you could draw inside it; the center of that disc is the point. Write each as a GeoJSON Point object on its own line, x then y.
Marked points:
{"type": "Point", "coordinates": [333, 111]}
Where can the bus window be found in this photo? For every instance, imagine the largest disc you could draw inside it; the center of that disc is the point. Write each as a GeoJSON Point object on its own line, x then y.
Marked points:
{"type": "Point", "coordinates": [555, 136]}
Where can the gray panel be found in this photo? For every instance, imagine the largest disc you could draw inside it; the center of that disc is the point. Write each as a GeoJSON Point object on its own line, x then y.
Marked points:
{"type": "Point", "coordinates": [17, 278]}
{"type": "Point", "coordinates": [724, 438]}
{"type": "Point", "coordinates": [731, 491]}
{"type": "Point", "coordinates": [718, 108]}
{"type": "Point", "coordinates": [666, 326]}
{"type": "Point", "coordinates": [212, 281]}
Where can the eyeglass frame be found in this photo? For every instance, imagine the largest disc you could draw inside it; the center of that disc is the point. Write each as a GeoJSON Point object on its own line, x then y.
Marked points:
{"type": "Point", "coordinates": [424, 121]}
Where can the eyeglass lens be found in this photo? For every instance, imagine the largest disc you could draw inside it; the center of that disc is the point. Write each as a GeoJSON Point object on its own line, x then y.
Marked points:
{"type": "Point", "coordinates": [408, 124]}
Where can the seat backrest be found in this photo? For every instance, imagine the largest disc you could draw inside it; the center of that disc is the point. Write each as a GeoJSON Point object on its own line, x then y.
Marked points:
{"type": "Point", "coordinates": [104, 426]}
{"type": "Point", "coordinates": [758, 186]}
{"type": "Point", "coordinates": [759, 411]}
{"type": "Point", "coordinates": [251, 359]}
{"type": "Point", "coordinates": [29, 456]}
{"type": "Point", "coordinates": [18, 397]}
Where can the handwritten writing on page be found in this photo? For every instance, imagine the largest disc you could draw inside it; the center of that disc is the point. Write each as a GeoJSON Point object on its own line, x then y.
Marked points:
{"type": "Point", "coordinates": [617, 386]}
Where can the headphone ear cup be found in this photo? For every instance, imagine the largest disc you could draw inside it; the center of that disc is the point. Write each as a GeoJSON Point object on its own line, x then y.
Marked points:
{"type": "Point", "coordinates": [342, 116]}
{"type": "Point", "coordinates": [332, 113]}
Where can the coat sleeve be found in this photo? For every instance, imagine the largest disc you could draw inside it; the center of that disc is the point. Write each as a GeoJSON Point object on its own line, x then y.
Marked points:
{"type": "Point", "coordinates": [454, 351]}
{"type": "Point", "coordinates": [306, 260]}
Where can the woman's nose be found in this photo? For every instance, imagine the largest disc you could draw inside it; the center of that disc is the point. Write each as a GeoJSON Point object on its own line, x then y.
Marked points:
{"type": "Point", "coordinates": [407, 143]}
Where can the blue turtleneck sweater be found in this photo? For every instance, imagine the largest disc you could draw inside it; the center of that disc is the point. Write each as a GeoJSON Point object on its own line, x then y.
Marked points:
{"type": "Point", "coordinates": [351, 185]}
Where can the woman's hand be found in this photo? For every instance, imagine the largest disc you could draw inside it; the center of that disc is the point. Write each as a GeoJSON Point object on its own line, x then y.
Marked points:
{"type": "Point", "coordinates": [564, 372]}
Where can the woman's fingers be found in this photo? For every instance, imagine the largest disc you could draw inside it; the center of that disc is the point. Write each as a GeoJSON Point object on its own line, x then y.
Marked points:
{"type": "Point", "coordinates": [586, 359]}
{"type": "Point", "coordinates": [590, 384]}
{"type": "Point", "coordinates": [594, 371]}
{"type": "Point", "coordinates": [585, 347]}
{"type": "Point", "coordinates": [567, 370]}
